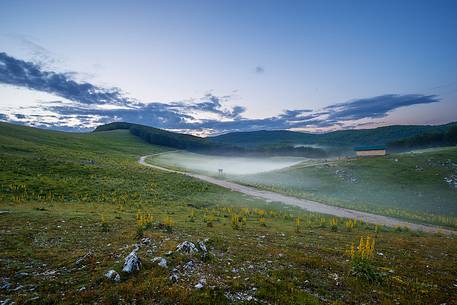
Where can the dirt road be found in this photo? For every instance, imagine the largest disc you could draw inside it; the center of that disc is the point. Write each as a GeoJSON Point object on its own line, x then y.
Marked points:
{"type": "Point", "coordinates": [308, 205]}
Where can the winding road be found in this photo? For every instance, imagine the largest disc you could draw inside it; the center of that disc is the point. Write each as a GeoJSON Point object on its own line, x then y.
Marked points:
{"type": "Point", "coordinates": [305, 204]}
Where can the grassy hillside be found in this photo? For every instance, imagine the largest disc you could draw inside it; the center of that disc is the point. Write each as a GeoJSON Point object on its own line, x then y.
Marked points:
{"type": "Point", "coordinates": [161, 137]}
{"type": "Point", "coordinates": [376, 136]}
{"type": "Point", "coordinates": [417, 186]}
{"type": "Point", "coordinates": [72, 206]}
{"type": "Point", "coordinates": [202, 145]}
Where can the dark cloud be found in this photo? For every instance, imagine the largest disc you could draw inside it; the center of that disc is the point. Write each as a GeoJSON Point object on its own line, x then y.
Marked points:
{"type": "Point", "coordinates": [19, 116]}
{"type": "Point", "coordinates": [375, 107]}
{"type": "Point", "coordinates": [259, 70]}
{"type": "Point", "coordinates": [181, 115]}
{"type": "Point", "coordinates": [18, 72]}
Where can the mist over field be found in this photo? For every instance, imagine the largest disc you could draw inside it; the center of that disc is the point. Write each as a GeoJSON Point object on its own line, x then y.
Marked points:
{"type": "Point", "coordinates": [230, 165]}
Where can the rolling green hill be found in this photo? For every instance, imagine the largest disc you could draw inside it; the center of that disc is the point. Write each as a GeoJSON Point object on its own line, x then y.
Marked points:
{"type": "Point", "coordinates": [418, 186]}
{"type": "Point", "coordinates": [203, 145]}
{"type": "Point", "coordinates": [73, 206]}
{"type": "Point", "coordinates": [347, 138]}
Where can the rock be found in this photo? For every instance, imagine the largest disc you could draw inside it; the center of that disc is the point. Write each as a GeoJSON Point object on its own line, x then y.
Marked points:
{"type": "Point", "coordinates": [187, 247]}
{"type": "Point", "coordinates": [162, 262]}
{"type": "Point", "coordinates": [5, 284]}
{"type": "Point", "coordinates": [145, 241]}
{"type": "Point", "coordinates": [174, 278]}
{"type": "Point", "coordinates": [174, 275]}
{"type": "Point", "coordinates": [169, 253]}
{"type": "Point", "coordinates": [132, 262]}
{"type": "Point", "coordinates": [201, 283]}
{"type": "Point", "coordinates": [83, 259]}
{"type": "Point", "coordinates": [189, 266]}
{"type": "Point", "coordinates": [202, 246]}
{"type": "Point", "coordinates": [113, 275]}
{"type": "Point", "coordinates": [239, 297]}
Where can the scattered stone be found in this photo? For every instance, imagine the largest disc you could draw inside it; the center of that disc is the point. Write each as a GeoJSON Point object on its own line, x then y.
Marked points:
{"type": "Point", "coordinates": [201, 283]}
{"type": "Point", "coordinates": [187, 247]}
{"type": "Point", "coordinates": [335, 277]}
{"type": "Point", "coordinates": [239, 297]}
{"type": "Point", "coordinates": [162, 262]}
{"type": "Point", "coordinates": [132, 262]}
{"type": "Point", "coordinates": [174, 275]}
{"type": "Point", "coordinates": [5, 284]}
{"type": "Point", "coordinates": [189, 266]}
{"type": "Point", "coordinates": [169, 253]}
{"type": "Point", "coordinates": [112, 275]}
{"type": "Point", "coordinates": [145, 241]}
{"type": "Point", "coordinates": [202, 246]}
{"type": "Point", "coordinates": [83, 259]}
{"type": "Point", "coordinates": [451, 180]}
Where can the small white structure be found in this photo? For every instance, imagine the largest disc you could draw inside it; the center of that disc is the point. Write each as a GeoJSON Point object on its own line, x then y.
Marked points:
{"type": "Point", "coordinates": [369, 151]}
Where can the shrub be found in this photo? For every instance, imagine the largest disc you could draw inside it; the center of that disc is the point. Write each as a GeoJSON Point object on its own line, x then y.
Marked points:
{"type": "Point", "coordinates": [297, 224]}
{"type": "Point", "coordinates": [235, 219]}
{"type": "Point", "coordinates": [362, 260]}
{"type": "Point", "coordinates": [334, 224]}
{"type": "Point", "coordinates": [168, 224]}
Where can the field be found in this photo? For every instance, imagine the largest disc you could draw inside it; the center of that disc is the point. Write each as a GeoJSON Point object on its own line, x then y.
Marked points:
{"type": "Point", "coordinates": [74, 205]}
{"type": "Point", "coordinates": [419, 186]}
{"type": "Point", "coordinates": [209, 165]}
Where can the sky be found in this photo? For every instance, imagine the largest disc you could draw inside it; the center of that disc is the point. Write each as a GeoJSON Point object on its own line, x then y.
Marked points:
{"type": "Point", "coordinates": [211, 67]}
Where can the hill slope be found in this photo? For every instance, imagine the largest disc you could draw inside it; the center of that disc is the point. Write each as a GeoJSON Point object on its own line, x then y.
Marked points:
{"type": "Point", "coordinates": [376, 136]}
{"type": "Point", "coordinates": [73, 206]}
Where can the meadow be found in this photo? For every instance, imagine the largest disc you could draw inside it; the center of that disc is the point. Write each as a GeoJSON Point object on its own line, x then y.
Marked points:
{"type": "Point", "coordinates": [417, 186]}
{"type": "Point", "coordinates": [74, 205]}
{"type": "Point", "coordinates": [209, 165]}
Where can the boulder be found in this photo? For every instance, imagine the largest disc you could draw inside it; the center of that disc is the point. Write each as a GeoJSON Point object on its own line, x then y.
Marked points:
{"type": "Point", "coordinates": [174, 277]}
{"type": "Point", "coordinates": [113, 275]}
{"type": "Point", "coordinates": [201, 283]}
{"type": "Point", "coordinates": [189, 266]}
{"type": "Point", "coordinates": [187, 247]}
{"type": "Point", "coordinates": [132, 262]}
{"type": "Point", "coordinates": [162, 262]}
{"type": "Point", "coordinates": [202, 246]}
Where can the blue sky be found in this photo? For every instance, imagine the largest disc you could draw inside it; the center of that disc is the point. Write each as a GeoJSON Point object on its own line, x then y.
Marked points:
{"type": "Point", "coordinates": [217, 66]}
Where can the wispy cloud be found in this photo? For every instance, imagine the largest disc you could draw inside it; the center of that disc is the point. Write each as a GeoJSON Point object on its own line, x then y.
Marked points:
{"type": "Point", "coordinates": [88, 105]}
{"type": "Point", "coordinates": [22, 73]}
{"type": "Point", "coordinates": [259, 70]}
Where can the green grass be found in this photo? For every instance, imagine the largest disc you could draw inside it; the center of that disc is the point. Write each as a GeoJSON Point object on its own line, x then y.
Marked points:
{"type": "Point", "coordinates": [68, 194]}
{"type": "Point", "coordinates": [411, 186]}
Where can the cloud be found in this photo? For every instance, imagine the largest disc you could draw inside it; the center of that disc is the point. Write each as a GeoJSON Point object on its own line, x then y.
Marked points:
{"type": "Point", "coordinates": [21, 73]}
{"type": "Point", "coordinates": [375, 107]}
{"type": "Point", "coordinates": [259, 70]}
{"type": "Point", "coordinates": [88, 105]}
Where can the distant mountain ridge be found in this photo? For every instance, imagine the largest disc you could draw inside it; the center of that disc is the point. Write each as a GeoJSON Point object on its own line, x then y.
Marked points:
{"type": "Point", "coordinates": [204, 145]}
{"type": "Point", "coordinates": [345, 138]}
{"type": "Point", "coordinates": [292, 143]}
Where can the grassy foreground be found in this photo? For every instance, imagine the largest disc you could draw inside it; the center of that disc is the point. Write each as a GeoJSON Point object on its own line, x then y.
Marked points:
{"type": "Point", "coordinates": [74, 205]}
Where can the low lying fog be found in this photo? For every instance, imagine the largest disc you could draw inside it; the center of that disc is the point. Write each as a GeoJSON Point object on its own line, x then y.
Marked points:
{"type": "Point", "coordinates": [230, 165]}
